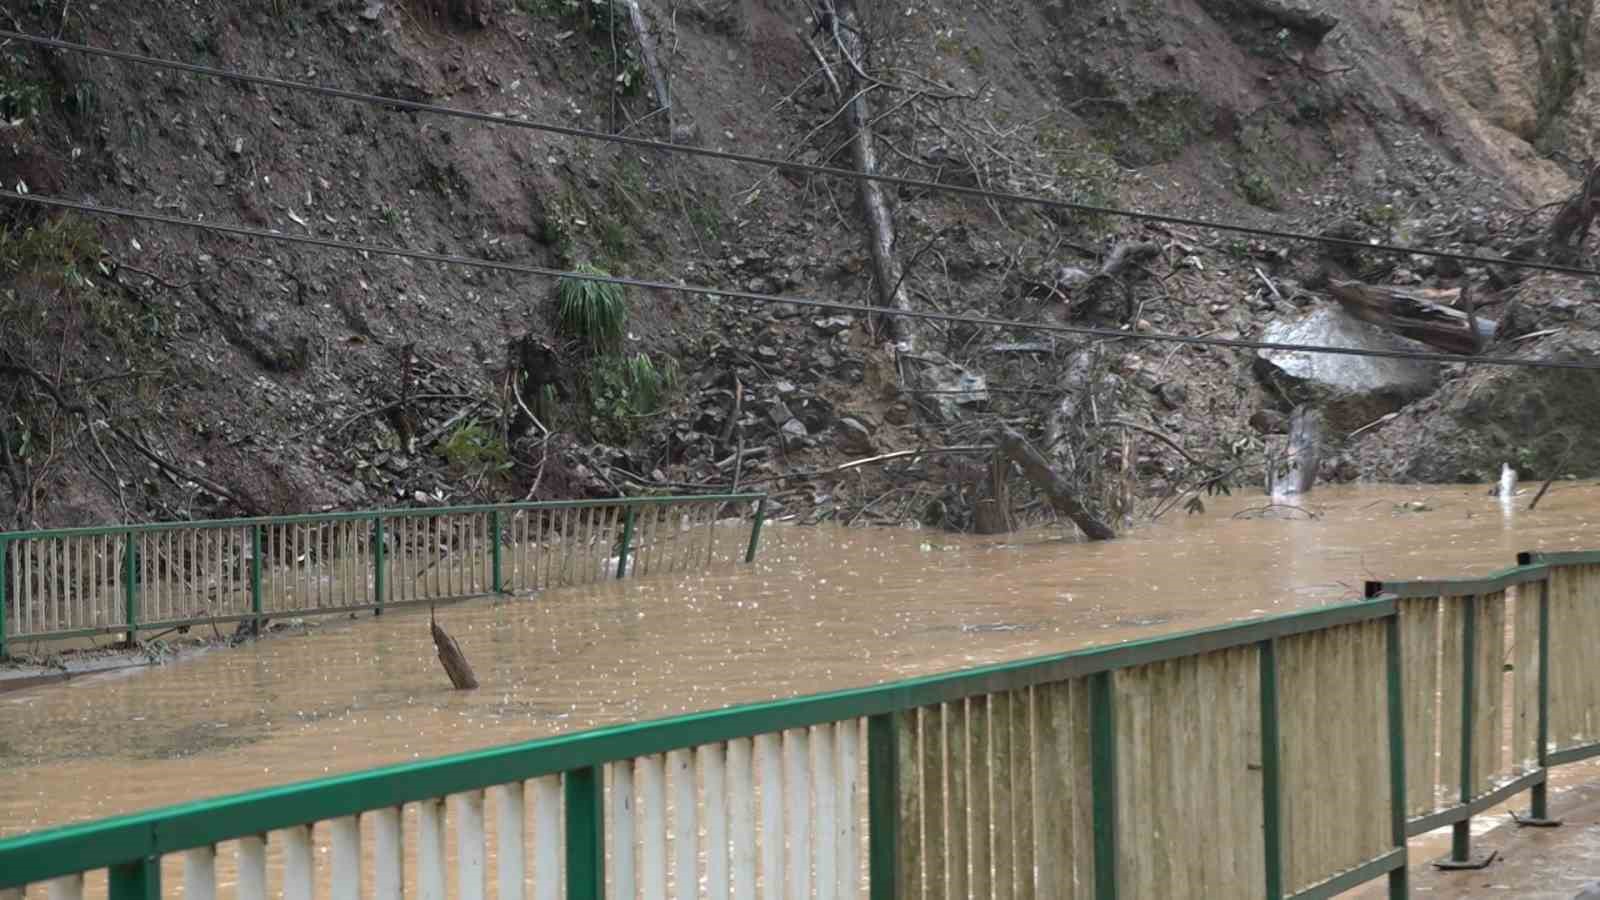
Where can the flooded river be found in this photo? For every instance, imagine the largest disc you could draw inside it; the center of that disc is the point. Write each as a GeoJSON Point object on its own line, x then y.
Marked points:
{"type": "Point", "coordinates": [822, 609]}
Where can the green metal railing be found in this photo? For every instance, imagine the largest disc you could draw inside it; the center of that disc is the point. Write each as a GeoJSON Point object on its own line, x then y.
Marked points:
{"type": "Point", "coordinates": [1278, 757]}
{"type": "Point", "coordinates": [79, 582]}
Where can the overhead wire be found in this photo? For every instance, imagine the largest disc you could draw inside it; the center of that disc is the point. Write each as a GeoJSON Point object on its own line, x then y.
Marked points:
{"type": "Point", "coordinates": [789, 299]}
{"type": "Point", "coordinates": [770, 162]}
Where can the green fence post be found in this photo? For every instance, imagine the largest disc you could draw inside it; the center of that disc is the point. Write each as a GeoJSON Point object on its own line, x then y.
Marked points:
{"type": "Point", "coordinates": [1400, 878]}
{"type": "Point", "coordinates": [883, 807]}
{"type": "Point", "coordinates": [1103, 765]}
{"type": "Point", "coordinates": [586, 839]}
{"type": "Point", "coordinates": [1271, 771]}
{"type": "Point", "coordinates": [256, 604]}
{"type": "Point", "coordinates": [138, 880]}
{"type": "Point", "coordinates": [755, 530]}
{"type": "Point", "coordinates": [494, 528]}
{"type": "Point", "coordinates": [378, 564]}
{"type": "Point", "coordinates": [130, 587]}
{"type": "Point", "coordinates": [1539, 802]}
{"type": "Point", "coordinates": [5, 549]}
{"type": "Point", "coordinates": [627, 542]}
{"type": "Point", "coordinates": [1461, 832]}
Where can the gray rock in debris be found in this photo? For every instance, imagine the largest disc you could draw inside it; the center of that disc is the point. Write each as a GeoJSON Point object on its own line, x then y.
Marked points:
{"type": "Point", "coordinates": [1352, 390]}
{"type": "Point", "coordinates": [1591, 891]}
{"type": "Point", "coordinates": [855, 437]}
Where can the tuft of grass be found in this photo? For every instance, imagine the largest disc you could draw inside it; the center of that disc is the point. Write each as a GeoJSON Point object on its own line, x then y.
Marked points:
{"type": "Point", "coordinates": [65, 247]}
{"type": "Point", "coordinates": [595, 311]}
{"type": "Point", "coordinates": [471, 447]}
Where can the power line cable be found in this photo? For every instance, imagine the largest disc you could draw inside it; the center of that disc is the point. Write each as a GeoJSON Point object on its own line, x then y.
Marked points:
{"type": "Point", "coordinates": [730, 156]}
{"type": "Point", "coordinates": [770, 299]}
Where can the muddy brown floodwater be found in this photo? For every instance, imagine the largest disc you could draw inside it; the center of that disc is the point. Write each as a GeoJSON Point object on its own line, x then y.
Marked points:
{"type": "Point", "coordinates": [822, 609]}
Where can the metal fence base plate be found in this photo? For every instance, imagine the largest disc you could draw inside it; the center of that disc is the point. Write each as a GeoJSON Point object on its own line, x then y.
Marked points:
{"type": "Point", "coordinates": [1471, 862]}
{"type": "Point", "coordinates": [1531, 822]}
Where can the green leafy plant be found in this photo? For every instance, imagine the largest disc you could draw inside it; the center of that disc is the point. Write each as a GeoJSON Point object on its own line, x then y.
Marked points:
{"type": "Point", "coordinates": [623, 390]}
{"type": "Point", "coordinates": [594, 311]}
{"type": "Point", "coordinates": [474, 448]}
{"type": "Point", "coordinates": [65, 247]}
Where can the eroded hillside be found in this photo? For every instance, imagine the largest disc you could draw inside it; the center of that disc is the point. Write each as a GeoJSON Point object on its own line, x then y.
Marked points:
{"type": "Point", "coordinates": [158, 372]}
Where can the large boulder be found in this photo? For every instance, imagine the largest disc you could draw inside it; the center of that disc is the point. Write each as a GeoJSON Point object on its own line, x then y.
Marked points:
{"type": "Point", "coordinates": [1543, 422]}
{"type": "Point", "coordinates": [1351, 391]}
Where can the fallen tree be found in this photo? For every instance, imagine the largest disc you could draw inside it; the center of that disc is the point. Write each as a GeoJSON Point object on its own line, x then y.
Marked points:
{"type": "Point", "coordinates": [1417, 314]}
{"type": "Point", "coordinates": [1049, 481]}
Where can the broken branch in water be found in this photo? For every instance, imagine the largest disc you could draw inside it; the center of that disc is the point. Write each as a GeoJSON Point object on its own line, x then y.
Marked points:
{"type": "Point", "coordinates": [1260, 511]}
{"type": "Point", "coordinates": [450, 656]}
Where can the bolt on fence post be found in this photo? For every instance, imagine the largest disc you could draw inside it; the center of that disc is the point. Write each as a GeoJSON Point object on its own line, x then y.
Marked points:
{"type": "Point", "coordinates": [5, 550]}
{"type": "Point", "coordinates": [130, 587]}
{"type": "Point", "coordinates": [627, 541]}
{"type": "Point", "coordinates": [883, 807]}
{"type": "Point", "coordinates": [755, 529]}
{"type": "Point", "coordinates": [378, 547]}
{"type": "Point", "coordinates": [256, 604]}
{"type": "Point", "coordinates": [1271, 771]}
{"type": "Point", "coordinates": [494, 535]}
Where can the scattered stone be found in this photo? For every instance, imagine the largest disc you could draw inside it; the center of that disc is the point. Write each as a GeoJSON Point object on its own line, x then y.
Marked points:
{"type": "Point", "coordinates": [1174, 395]}
{"type": "Point", "coordinates": [833, 324]}
{"type": "Point", "coordinates": [855, 437]}
{"type": "Point", "coordinates": [1270, 421]}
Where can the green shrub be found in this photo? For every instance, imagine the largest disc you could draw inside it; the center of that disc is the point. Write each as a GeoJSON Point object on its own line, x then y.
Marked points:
{"type": "Point", "coordinates": [473, 448]}
{"type": "Point", "coordinates": [594, 311]}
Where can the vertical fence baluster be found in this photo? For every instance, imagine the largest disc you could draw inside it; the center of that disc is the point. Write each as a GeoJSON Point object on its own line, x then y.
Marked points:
{"type": "Point", "coordinates": [431, 864]}
{"type": "Point", "coordinates": [714, 779]}
{"type": "Point", "coordinates": [624, 834]}
{"type": "Point", "coordinates": [200, 873]}
{"type": "Point", "coordinates": [1103, 759]}
{"type": "Point", "coordinates": [346, 858]}
{"type": "Point", "coordinates": [388, 852]}
{"type": "Point", "coordinates": [847, 837]}
{"type": "Point", "coordinates": [510, 849]}
{"type": "Point", "coordinates": [685, 830]}
{"type": "Point", "coordinates": [547, 838]}
{"type": "Point", "coordinates": [824, 775]}
{"type": "Point", "coordinates": [380, 564]}
{"type": "Point", "coordinates": [627, 544]}
{"type": "Point", "coordinates": [797, 803]}
{"type": "Point", "coordinates": [471, 849]}
{"type": "Point", "coordinates": [742, 812]}
{"type": "Point", "coordinates": [67, 887]}
{"type": "Point", "coordinates": [299, 873]}
{"type": "Point", "coordinates": [1271, 770]}
{"type": "Point", "coordinates": [652, 827]}
{"type": "Point", "coordinates": [252, 852]}
{"type": "Point", "coordinates": [1399, 882]}
{"type": "Point", "coordinates": [770, 759]}
{"type": "Point", "coordinates": [887, 878]}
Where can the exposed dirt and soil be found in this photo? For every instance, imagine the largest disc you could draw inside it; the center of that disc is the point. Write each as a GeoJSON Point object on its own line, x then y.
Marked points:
{"type": "Point", "coordinates": [150, 372]}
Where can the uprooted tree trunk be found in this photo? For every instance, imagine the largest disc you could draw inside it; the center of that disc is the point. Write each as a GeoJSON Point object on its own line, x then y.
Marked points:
{"type": "Point", "coordinates": [1055, 488]}
{"type": "Point", "coordinates": [853, 90]}
{"type": "Point", "coordinates": [1296, 472]}
{"type": "Point", "coordinates": [1417, 315]}
{"type": "Point", "coordinates": [1570, 227]}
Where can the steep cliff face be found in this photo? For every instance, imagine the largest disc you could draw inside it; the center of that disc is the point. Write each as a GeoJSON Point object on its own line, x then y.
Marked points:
{"type": "Point", "coordinates": [156, 372]}
{"type": "Point", "coordinates": [1515, 73]}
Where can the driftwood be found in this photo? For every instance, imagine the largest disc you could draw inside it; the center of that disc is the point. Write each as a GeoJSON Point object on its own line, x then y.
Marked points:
{"type": "Point", "coordinates": [1018, 450]}
{"type": "Point", "coordinates": [450, 656]}
{"type": "Point", "coordinates": [1416, 314]}
{"type": "Point", "coordinates": [1124, 256]}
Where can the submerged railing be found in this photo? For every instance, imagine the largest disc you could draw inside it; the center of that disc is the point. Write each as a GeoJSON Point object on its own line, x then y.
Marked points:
{"type": "Point", "coordinates": [80, 582]}
{"type": "Point", "coordinates": [1281, 757]}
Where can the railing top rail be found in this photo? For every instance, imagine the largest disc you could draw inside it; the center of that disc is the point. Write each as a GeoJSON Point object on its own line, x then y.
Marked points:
{"type": "Point", "coordinates": [354, 515]}
{"type": "Point", "coordinates": [1560, 557]}
{"type": "Point", "coordinates": [48, 854]}
{"type": "Point", "coordinates": [1460, 587]}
